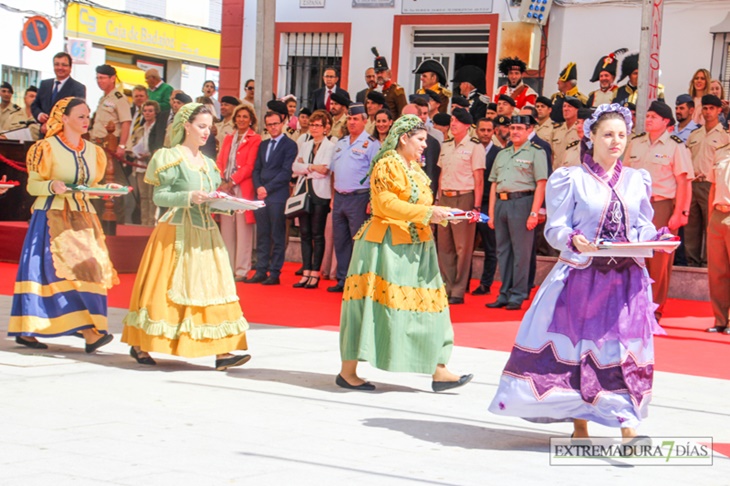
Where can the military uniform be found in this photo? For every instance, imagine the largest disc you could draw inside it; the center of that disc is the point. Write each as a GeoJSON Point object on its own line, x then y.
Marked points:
{"type": "Point", "coordinates": [444, 93]}
{"type": "Point", "coordinates": [514, 177]}
{"type": "Point", "coordinates": [718, 238]}
{"type": "Point", "coordinates": [571, 157]}
{"type": "Point", "coordinates": [7, 115]}
{"type": "Point", "coordinates": [545, 130]}
{"type": "Point", "coordinates": [456, 242]}
{"type": "Point", "coordinates": [339, 126]}
{"type": "Point", "coordinates": [599, 97]}
{"type": "Point", "coordinates": [20, 119]}
{"type": "Point", "coordinates": [559, 98]}
{"type": "Point", "coordinates": [223, 128]}
{"type": "Point", "coordinates": [628, 94]}
{"type": "Point", "coordinates": [562, 137]}
{"type": "Point", "coordinates": [665, 159]}
{"type": "Point", "coordinates": [395, 98]}
{"type": "Point", "coordinates": [703, 145]}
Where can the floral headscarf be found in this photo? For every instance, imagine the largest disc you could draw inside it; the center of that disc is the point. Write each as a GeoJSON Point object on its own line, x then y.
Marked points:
{"type": "Point", "coordinates": [55, 121]}
{"type": "Point", "coordinates": [178, 123]}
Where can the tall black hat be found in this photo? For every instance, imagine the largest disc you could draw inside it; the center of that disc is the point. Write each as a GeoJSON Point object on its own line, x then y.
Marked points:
{"type": "Point", "coordinates": [380, 63]}
{"type": "Point", "coordinates": [629, 64]}
{"type": "Point", "coordinates": [608, 63]}
{"type": "Point", "coordinates": [569, 72]}
{"type": "Point", "coordinates": [473, 75]}
{"type": "Point", "coordinates": [506, 64]}
{"type": "Point", "coordinates": [432, 66]}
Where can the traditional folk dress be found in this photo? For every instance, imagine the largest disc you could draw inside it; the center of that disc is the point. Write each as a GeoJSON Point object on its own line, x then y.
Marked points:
{"type": "Point", "coordinates": [585, 347]}
{"type": "Point", "coordinates": [395, 311]}
{"type": "Point", "coordinates": [184, 299]}
{"type": "Point", "coordinates": [64, 270]}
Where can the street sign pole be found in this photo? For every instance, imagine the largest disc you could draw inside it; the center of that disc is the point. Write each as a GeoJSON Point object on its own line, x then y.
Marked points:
{"type": "Point", "coordinates": [652, 16]}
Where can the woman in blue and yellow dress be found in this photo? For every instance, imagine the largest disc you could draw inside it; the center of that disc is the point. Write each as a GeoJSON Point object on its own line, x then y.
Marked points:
{"type": "Point", "coordinates": [64, 269]}
{"type": "Point", "coordinates": [184, 300]}
{"type": "Point", "coordinates": [395, 312]}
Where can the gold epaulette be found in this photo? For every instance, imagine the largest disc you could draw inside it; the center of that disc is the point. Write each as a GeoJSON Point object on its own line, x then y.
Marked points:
{"type": "Point", "coordinates": [638, 135]}
{"type": "Point", "coordinates": [677, 139]}
{"type": "Point", "coordinates": [573, 144]}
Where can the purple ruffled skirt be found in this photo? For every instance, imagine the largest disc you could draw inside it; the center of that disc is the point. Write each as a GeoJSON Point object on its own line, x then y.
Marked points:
{"type": "Point", "coordinates": [584, 349]}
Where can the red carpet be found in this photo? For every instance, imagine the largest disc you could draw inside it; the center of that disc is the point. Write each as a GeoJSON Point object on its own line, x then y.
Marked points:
{"type": "Point", "coordinates": [686, 349]}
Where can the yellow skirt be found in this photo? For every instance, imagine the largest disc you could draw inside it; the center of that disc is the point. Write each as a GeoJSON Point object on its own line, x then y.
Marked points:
{"type": "Point", "coordinates": [158, 325]}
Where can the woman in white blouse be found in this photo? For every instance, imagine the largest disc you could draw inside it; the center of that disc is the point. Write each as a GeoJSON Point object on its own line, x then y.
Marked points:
{"type": "Point", "coordinates": [313, 164]}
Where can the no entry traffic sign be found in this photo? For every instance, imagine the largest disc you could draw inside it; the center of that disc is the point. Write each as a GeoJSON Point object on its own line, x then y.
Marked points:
{"type": "Point", "coordinates": [37, 33]}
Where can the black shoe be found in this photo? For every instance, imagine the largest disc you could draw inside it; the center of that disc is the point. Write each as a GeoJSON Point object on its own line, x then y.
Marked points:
{"type": "Point", "coordinates": [513, 306]}
{"type": "Point", "coordinates": [336, 288]}
{"type": "Point", "coordinates": [367, 386]}
{"type": "Point", "coordinates": [30, 344]}
{"type": "Point", "coordinates": [102, 341]}
{"type": "Point", "coordinates": [257, 278]}
{"type": "Point", "coordinates": [717, 329]}
{"type": "Point", "coordinates": [146, 360]}
{"type": "Point", "coordinates": [299, 272]}
{"type": "Point", "coordinates": [312, 283]}
{"type": "Point", "coordinates": [240, 279]}
{"type": "Point", "coordinates": [302, 283]}
{"type": "Point", "coordinates": [481, 290]}
{"type": "Point", "coordinates": [456, 300]}
{"type": "Point", "coordinates": [439, 386]}
{"type": "Point", "coordinates": [496, 305]}
{"type": "Point", "coordinates": [225, 363]}
{"type": "Point", "coordinates": [271, 281]}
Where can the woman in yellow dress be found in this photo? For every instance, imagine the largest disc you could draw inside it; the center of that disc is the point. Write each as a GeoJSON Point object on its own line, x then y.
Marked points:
{"type": "Point", "coordinates": [184, 301]}
{"type": "Point", "coordinates": [64, 269]}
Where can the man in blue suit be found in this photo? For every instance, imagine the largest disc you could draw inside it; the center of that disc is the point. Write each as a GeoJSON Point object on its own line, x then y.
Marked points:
{"type": "Point", "coordinates": [54, 89]}
{"type": "Point", "coordinates": [271, 176]}
{"type": "Point", "coordinates": [320, 98]}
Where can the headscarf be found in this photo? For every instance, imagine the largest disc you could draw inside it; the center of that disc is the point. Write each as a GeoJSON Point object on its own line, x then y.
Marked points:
{"type": "Point", "coordinates": [178, 123]}
{"type": "Point", "coordinates": [401, 126]}
{"type": "Point", "coordinates": [54, 125]}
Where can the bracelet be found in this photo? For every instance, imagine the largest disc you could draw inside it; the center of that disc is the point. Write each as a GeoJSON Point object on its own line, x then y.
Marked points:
{"type": "Point", "coordinates": [533, 214]}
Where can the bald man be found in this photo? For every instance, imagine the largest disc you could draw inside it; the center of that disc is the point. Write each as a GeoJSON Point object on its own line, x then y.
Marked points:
{"type": "Point", "coordinates": [158, 90]}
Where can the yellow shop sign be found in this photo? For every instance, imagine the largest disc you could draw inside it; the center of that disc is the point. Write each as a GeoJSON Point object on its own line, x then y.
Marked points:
{"type": "Point", "coordinates": [139, 34]}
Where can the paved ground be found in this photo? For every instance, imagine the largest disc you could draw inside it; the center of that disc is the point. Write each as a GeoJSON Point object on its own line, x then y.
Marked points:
{"type": "Point", "coordinates": [70, 418]}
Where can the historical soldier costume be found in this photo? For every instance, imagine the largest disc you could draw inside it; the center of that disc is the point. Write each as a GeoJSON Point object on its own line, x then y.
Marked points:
{"type": "Point", "coordinates": [395, 95]}
{"type": "Point", "coordinates": [519, 91]}
{"type": "Point", "coordinates": [607, 90]}
{"type": "Point", "coordinates": [568, 79]}
{"type": "Point", "coordinates": [477, 100]}
{"type": "Point", "coordinates": [435, 67]}
{"type": "Point", "coordinates": [628, 92]}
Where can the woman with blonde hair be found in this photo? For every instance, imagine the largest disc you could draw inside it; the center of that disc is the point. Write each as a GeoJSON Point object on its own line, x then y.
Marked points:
{"type": "Point", "coordinates": [699, 87]}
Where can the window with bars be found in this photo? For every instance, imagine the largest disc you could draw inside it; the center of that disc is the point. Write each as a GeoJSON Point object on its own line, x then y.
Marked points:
{"type": "Point", "coordinates": [726, 74]}
{"type": "Point", "coordinates": [306, 55]}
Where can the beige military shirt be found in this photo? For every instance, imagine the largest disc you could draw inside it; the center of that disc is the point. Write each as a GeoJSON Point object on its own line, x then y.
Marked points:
{"type": "Point", "coordinates": [665, 159]}
{"type": "Point", "coordinates": [8, 115]}
{"type": "Point", "coordinates": [720, 176]}
{"type": "Point", "coordinates": [545, 130]}
{"type": "Point", "coordinates": [224, 127]}
{"type": "Point", "coordinates": [599, 97]}
{"type": "Point", "coordinates": [338, 125]}
{"type": "Point", "coordinates": [520, 170]}
{"type": "Point", "coordinates": [458, 163]}
{"type": "Point", "coordinates": [571, 157]}
{"type": "Point", "coordinates": [496, 141]}
{"type": "Point", "coordinates": [370, 126]}
{"type": "Point", "coordinates": [113, 107]}
{"type": "Point", "coordinates": [562, 137]}
{"type": "Point", "coordinates": [703, 144]}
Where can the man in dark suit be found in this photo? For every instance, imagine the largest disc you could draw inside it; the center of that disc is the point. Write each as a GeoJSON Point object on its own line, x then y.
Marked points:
{"type": "Point", "coordinates": [54, 89]}
{"type": "Point", "coordinates": [271, 176]}
{"type": "Point", "coordinates": [320, 98]}
{"type": "Point", "coordinates": [371, 81]}
{"type": "Point", "coordinates": [430, 156]}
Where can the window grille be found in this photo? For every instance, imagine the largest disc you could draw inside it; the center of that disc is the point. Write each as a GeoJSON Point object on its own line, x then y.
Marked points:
{"type": "Point", "coordinates": [306, 57]}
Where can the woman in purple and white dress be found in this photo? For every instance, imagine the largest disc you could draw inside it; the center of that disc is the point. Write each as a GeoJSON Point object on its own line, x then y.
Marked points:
{"type": "Point", "coordinates": [584, 351]}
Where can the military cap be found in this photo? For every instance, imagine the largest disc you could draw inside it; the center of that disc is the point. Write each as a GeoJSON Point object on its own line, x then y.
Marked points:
{"type": "Point", "coordinates": [471, 74]}
{"type": "Point", "coordinates": [305, 111]}
{"type": "Point", "coordinates": [7, 86]}
{"type": "Point", "coordinates": [502, 120]}
{"type": "Point", "coordinates": [231, 100]}
{"type": "Point", "coordinates": [629, 64]}
{"type": "Point", "coordinates": [712, 100]}
{"type": "Point", "coordinates": [460, 101]}
{"type": "Point", "coordinates": [442, 119]}
{"type": "Point", "coordinates": [356, 109]}
{"type": "Point", "coordinates": [608, 63]}
{"type": "Point", "coordinates": [412, 98]}
{"type": "Point", "coordinates": [376, 97]}
{"type": "Point", "coordinates": [491, 106]}
{"type": "Point", "coordinates": [277, 106]}
{"type": "Point", "coordinates": [338, 97]}
{"type": "Point", "coordinates": [380, 64]}
{"type": "Point", "coordinates": [545, 101]}
{"type": "Point", "coordinates": [433, 95]}
{"type": "Point", "coordinates": [662, 109]}
{"type": "Point", "coordinates": [507, 64]}
{"type": "Point", "coordinates": [106, 69]}
{"type": "Point", "coordinates": [31, 89]}
{"type": "Point", "coordinates": [569, 72]}
{"type": "Point", "coordinates": [573, 101]}
{"type": "Point", "coordinates": [683, 98]}
{"type": "Point", "coordinates": [508, 99]}
{"type": "Point", "coordinates": [183, 98]}
{"type": "Point", "coordinates": [523, 120]}
{"type": "Point", "coordinates": [584, 113]}
{"type": "Point", "coordinates": [463, 116]}
{"type": "Point", "coordinates": [432, 66]}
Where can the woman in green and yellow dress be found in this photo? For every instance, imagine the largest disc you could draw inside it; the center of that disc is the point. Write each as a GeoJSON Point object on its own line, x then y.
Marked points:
{"type": "Point", "coordinates": [395, 311]}
{"type": "Point", "coordinates": [64, 270]}
{"type": "Point", "coordinates": [184, 300]}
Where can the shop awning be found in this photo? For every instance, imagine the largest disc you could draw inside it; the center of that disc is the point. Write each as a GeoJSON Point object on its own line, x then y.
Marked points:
{"type": "Point", "coordinates": [130, 76]}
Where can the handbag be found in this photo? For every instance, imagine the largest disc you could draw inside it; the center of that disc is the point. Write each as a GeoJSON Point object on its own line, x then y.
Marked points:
{"type": "Point", "coordinates": [300, 202]}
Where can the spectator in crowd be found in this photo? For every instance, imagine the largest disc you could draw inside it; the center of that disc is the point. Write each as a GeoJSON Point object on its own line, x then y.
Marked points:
{"type": "Point", "coordinates": [178, 99]}
{"type": "Point", "coordinates": [209, 89]}
{"type": "Point", "coordinates": [545, 125]}
{"type": "Point", "coordinates": [250, 88]}
{"type": "Point", "coordinates": [8, 110]}
{"type": "Point", "coordinates": [349, 167]}
{"type": "Point", "coordinates": [301, 135]}
{"type": "Point", "coordinates": [442, 123]}
{"type": "Point", "coordinates": [513, 68]}
{"type": "Point", "coordinates": [236, 162]}
{"type": "Point", "coordinates": [684, 111]}
{"type": "Point", "coordinates": [605, 74]}
{"type": "Point", "coordinates": [159, 91]}
{"type": "Point", "coordinates": [271, 176]}
{"type": "Point", "coordinates": [226, 125]}
{"type": "Point", "coordinates": [703, 144]}
{"type": "Point", "coordinates": [383, 122]}
{"type": "Point", "coordinates": [506, 106]}
{"type": "Point", "coordinates": [472, 85]}
{"type": "Point", "coordinates": [491, 111]}
{"type": "Point", "coordinates": [371, 82]}
{"type": "Point", "coordinates": [462, 163]}
{"type": "Point", "coordinates": [142, 154]}
{"type": "Point", "coordinates": [375, 101]}
{"type": "Point", "coordinates": [338, 109]}
{"type": "Point", "coordinates": [485, 134]}
{"type": "Point", "coordinates": [312, 165]}
{"type": "Point", "coordinates": [666, 158]}
{"type": "Point", "coordinates": [291, 122]}
{"type": "Point", "coordinates": [54, 89]}
{"type": "Point", "coordinates": [424, 106]}
{"type": "Point", "coordinates": [717, 89]}
{"type": "Point", "coordinates": [501, 132]}
{"type": "Point", "coordinates": [628, 93]}
{"type": "Point", "coordinates": [139, 96]}
{"type": "Point", "coordinates": [458, 101]}
{"type": "Point", "coordinates": [699, 86]}
{"type": "Point", "coordinates": [395, 95]}
{"type": "Point", "coordinates": [567, 87]}
{"type": "Point", "coordinates": [567, 131]}
{"type": "Point", "coordinates": [572, 153]}
{"type": "Point", "coordinates": [320, 98]}
{"type": "Point", "coordinates": [433, 78]}
{"type": "Point", "coordinates": [24, 118]}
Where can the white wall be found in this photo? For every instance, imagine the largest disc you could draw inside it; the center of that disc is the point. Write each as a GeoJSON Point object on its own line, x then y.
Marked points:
{"type": "Point", "coordinates": [583, 34]}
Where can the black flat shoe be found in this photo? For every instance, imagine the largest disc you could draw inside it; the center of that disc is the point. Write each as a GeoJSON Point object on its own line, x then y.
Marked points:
{"type": "Point", "coordinates": [257, 278]}
{"type": "Point", "coordinates": [513, 306]}
{"type": "Point", "coordinates": [30, 344]}
{"type": "Point", "coordinates": [496, 305]}
{"type": "Point", "coordinates": [336, 288]}
{"type": "Point", "coordinates": [456, 300]}
{"type": "Point", "coordinates": [714, 329]}
{"type": "Point", "coordinates": [439, 386]}
{"type": "Point", "coordinates": [102, 341]}
{"type": "Point", "coordinates": [342, 383]}
{"type": "Point", "coordinates": [225, 363]}
{"type": "Point", "coordinates": [146, 360]}
{"type": "Point", "coordinates": [481, 290]}
{"type": "Point", "coordinates": [312, 283]}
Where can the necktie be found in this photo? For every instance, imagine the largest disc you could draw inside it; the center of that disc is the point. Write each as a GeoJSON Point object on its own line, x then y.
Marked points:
{"type": "Point", "coordinates": [54, 93]}
{"type": "Point", "coordinates": [327, 101]}
{"type": "Point", "coordinates": [138, 121]}
{"type": "Point", "coordinates": [271, 149]}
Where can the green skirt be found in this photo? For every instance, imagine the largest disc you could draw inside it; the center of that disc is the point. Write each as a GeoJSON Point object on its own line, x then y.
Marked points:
{"type": "Point", "coordinates": [395, 312]}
